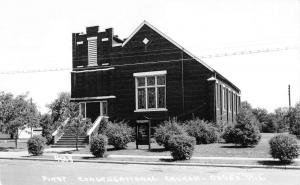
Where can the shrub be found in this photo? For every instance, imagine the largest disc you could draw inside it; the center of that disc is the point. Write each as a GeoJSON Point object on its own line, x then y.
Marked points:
{"type": "Point", "coordinates": [181, 146]}
{"type": "Point", "coordinates": [269, 125]}
{"type": "Point", "coordinates": [245, 132]}
{"type": "Point", "coordinates": [229, 134]}
{"type": "Point", "coordinates": [166, 130]}
{"type": "Point", "coordinates": [284, 148]}
{"type": "Point", "coordinates": [98, 145]}
{"type": "Point", "coordinates": [119, 134]}
{"type": "Point", "coordinates": [36, 145]}
{"type": "Point", "coordinates": [204, 132]}
{"type": "Point", "coordinates": [103, 126]}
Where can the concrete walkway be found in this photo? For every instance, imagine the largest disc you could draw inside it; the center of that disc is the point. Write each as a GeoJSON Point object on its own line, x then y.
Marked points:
{"type": "Point", "coordinates": [55, 151]}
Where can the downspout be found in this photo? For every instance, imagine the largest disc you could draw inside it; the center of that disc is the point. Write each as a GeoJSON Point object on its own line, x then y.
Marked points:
{"type": "Point", "coordinates": [182, 83]}
{"type": "Point", "coordinates": [215, 98]}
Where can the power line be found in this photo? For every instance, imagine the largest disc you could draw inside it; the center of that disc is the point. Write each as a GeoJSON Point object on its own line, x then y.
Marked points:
{"type": "Point", "coordinates": [245, 52]}
{"type": "Point", "coordinates": [249, 52]}
{"type": "Point", "coordinates": [35, 71]}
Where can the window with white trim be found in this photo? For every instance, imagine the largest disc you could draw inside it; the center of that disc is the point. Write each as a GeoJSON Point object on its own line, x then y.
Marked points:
{"type": "Point", "coordinates": [150, 90]}
{"type": "Point", "coordinates": [92, 51]}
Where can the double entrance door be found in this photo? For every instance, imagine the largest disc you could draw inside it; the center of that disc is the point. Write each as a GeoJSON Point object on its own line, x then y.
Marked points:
{"type": "Point", "coordinates": [93, 109]}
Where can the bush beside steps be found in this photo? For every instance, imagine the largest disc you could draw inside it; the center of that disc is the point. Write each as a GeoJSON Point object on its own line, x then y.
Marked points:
{"type": "Point", "coordinates": [98, 145]}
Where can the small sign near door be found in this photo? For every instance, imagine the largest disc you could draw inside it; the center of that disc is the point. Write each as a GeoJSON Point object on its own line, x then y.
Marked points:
{"type": "Point", "coordinates": [143, 133]}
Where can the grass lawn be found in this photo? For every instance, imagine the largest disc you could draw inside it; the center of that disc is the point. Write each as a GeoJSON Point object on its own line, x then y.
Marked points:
{"type": "Point", "coordinates": [9, 146]}
{"type": "Point", "coordinates": [210, 150]}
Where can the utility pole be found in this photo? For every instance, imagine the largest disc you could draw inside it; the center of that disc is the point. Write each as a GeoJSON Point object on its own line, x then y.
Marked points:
{"type": "Point", "coordinates": [289, 91]}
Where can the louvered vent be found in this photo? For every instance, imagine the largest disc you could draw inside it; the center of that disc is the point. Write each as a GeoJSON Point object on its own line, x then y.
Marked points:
{"type": "Point", "coordinates": [92, 51]}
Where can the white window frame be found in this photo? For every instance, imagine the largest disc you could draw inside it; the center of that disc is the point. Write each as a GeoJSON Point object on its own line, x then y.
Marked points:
{"type": "Point", "coordinates": [145, 75]}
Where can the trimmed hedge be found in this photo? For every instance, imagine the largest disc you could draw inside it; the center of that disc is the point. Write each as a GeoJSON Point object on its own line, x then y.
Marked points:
{"type": "Point", "coordinates": [119, 134]}
{"type": "Point", "coordinates": [203, 131]}
{"type": "Point", "coordinates": [36, 145]}
{"type": "Point", "coordinates": [98, 145]}
{"type": "Point", "coordinates": [181, 146]}
{"type": "Point", "coordinates": [284, 148]}
{"type": "Point", "coordinates": [166, 130]}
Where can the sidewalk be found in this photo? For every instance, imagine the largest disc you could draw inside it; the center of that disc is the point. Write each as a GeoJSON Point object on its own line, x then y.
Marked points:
{"type": "Point", "coordinates": [52, 154]}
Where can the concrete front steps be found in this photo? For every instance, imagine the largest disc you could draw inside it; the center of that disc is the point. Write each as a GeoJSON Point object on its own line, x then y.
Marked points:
{"type": "Point", "coordinates": [68, 140]}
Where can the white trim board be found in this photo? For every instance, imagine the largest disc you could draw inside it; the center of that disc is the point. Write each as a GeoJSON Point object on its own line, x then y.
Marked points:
{"type": "Point", "coordinates": [92, 70]}
{"type": "Point", "coordinates": [93, 98]}
{"type": "Point", "coordinates": [150, 73]}
{"type": "Point", "coordinates": [169, 39]}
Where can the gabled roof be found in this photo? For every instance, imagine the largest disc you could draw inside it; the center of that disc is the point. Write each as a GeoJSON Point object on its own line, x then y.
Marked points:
{"type": "Point", "coordinates": [169, 39]}
{"type": "Point", "coordinates": [177, 45]}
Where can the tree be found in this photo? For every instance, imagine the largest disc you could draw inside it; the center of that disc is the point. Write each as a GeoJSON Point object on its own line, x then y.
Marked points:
{"type": "Point", "coordinates": [261, 115]}
{"type": "Point", "coordinates": [47, 127]}
{"type": "Point", "coordinates": [281, 118]}
{"type": "Point", "coordinates": [293, 119]}
{"type": "Point", "coordinates": [16, 113]}
{"type": "Point", "coordinates": [59, 112]}
{"type": "Point", "coordinates": [60, 108]}
{"type": "Point", "coordinates": [77, 124]}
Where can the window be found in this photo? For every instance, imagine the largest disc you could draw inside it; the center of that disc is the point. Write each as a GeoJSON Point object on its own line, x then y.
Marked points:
{"type": "Point", "coordinates": [92, 51]}
{"type": "Point", "coordinates": [220, 96]}
{"type": "Point", "coordinates": [234, 102]}
{"type": "Point", "coordinates": [217, 95]}
{"type": "Point", "coordinates": [150, 91]}
{"type": "Point", "coordinates": [229, 101]}
{"type": "Point", "coordinates": [224, 99]}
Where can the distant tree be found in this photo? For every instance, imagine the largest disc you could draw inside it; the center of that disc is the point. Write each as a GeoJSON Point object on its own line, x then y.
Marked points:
{"type": "Point", "coordinates": [33, 115]}
{"type": "Point", "coordinates": [261, 115]}
{"type": "Point", "coordinates": [16, 113]}
{"type": "Point", "coordinates": [246, 105]}
{"type": "Point", "coordinates": [270, 125]}
{"type": "Point", "coordinates": [281, 118]}
{"type": "Point", "coordinates": [293, 119]}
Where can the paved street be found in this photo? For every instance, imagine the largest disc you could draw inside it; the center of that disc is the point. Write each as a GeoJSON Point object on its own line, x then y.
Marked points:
{"type": "Point", "coordinates": [40, 173]}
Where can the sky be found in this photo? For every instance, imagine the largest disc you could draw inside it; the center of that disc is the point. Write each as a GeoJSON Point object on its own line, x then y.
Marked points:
{"type": "Point", "coordinates": [36, 35]}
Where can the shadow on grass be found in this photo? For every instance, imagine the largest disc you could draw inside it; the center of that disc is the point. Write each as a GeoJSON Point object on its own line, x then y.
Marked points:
{"type": "Point", "coordinates": [67, 152]}
{"type": "Point", "coordinates": [158, 150]}
{"type": "Point", "coordinates": [167, 160]}
{"type": "Point", "coordinates": [235, 146]}
{"type": "Point", "coordinates": [94, 158]}
{"type": "Point", "coordinates": [114, 149]}
{"type": "Point", "coordinates": [274, 163]}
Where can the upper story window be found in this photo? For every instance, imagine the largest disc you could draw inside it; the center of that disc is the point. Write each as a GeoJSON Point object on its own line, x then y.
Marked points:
{"type": "Point", "coordinates": [150, 91]}
{"type": "Point", "coordinates": [92, 51]}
